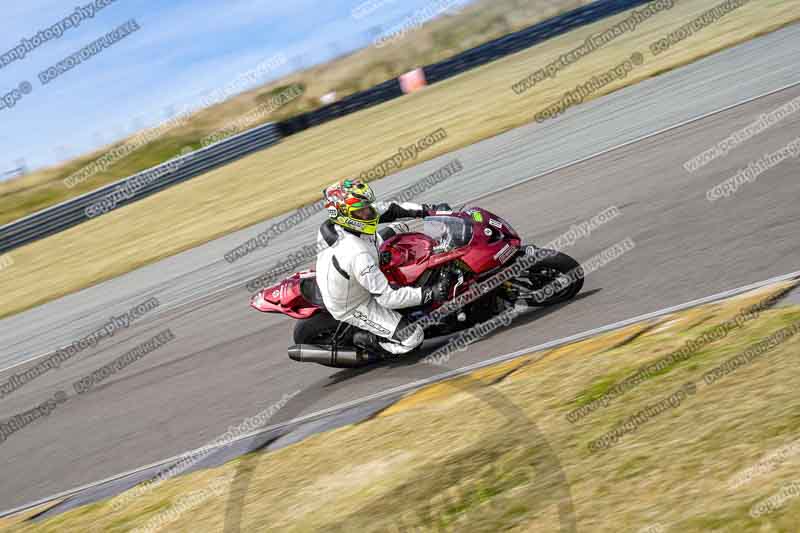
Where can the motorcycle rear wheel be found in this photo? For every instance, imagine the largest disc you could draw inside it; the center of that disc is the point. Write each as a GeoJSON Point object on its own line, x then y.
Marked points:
{"type": "Point", "coordinates": [318, 329]}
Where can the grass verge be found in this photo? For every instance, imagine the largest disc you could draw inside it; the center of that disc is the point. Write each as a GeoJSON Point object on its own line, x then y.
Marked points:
{"type": "Point", "coordinates": [473, 106]}
{"type": "Point", "coordinates": [461, 455]}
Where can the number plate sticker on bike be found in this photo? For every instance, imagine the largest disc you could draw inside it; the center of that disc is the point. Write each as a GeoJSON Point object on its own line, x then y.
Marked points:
{"type": "Point", "coordinates": [505, 253]}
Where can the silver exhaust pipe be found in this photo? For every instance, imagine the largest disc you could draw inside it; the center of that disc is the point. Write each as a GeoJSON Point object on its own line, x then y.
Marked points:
{"type": "Point", "coordinates": [328, 356]}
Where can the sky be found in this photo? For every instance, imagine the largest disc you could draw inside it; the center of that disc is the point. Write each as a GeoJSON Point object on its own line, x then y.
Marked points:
{"type": "Point", "coordinates": [183, 49]}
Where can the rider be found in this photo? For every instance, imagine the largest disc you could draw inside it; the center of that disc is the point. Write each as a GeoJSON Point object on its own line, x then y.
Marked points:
{"type": "Point", "coordinates": [351, 282]}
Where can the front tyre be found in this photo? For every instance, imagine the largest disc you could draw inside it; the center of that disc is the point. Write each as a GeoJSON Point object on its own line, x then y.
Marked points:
{"type": "Point", "coordinates": [554, 278]}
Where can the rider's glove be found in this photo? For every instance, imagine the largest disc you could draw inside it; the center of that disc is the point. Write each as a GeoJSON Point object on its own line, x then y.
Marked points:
{"type": "Point", "coordinates": [431, 209]}
{"type": "Point", "coordinates": [438, 292]}
{"type": "Point", "coordinates": [400, 227]}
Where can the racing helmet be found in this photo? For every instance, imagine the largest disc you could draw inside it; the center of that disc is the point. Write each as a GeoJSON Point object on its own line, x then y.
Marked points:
{"type": "Point", "coordinates": [351, 204]}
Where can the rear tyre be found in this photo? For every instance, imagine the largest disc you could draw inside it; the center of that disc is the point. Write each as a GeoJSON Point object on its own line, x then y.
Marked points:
{"type": "Point", "coordinates": [555, 278]}
{"type": "Point", "coordinates": [319, 329]}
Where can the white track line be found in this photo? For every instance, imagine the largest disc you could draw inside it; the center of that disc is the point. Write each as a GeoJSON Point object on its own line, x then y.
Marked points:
{"type": "Point", "coordinates": [408, 387]}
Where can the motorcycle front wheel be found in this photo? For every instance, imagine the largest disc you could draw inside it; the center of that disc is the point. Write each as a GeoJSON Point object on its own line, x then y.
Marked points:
{"type": "Point", "coordinates": [554, 278]}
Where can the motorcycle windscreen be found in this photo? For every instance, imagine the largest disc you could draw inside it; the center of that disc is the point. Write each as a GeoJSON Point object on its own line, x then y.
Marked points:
{"type": "Point", "coordinates": [448, 232]}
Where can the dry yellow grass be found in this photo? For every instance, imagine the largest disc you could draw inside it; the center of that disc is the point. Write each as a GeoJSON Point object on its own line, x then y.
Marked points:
{"type": "Point", "coordinates": [19, 518]}
{"type": "Point", "coordinates": [464, 455]}
{"type": "Point", "coordinates": [473, 106]}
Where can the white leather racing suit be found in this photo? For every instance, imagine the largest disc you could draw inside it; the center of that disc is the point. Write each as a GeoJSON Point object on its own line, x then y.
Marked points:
{"type": "Point", "coordinates": [356, 291]}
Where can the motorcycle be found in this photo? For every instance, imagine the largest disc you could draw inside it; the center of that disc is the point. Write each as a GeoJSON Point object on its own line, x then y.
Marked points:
{"type": "Point", "coordinates": [491, 272]}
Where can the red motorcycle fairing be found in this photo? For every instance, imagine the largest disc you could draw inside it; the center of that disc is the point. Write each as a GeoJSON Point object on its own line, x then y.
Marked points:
{"type": "Point", "coordinates": [289, 297]}
{"type": "Point", "coordinates": [404, 258]}
{"type": "Point", "coordinates": [493, 242]}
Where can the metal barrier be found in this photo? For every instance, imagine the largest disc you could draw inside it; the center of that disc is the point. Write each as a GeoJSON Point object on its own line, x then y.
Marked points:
{"type": "Point", "coordinates": [468, 59]}
{"type": "Point", "coordinates": [526, 38]}
{"type": "Point", "coordinates": [73, 211]}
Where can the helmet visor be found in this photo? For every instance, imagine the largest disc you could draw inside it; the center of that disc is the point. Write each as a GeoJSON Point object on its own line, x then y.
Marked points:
{"type": "Point", "coordinates": [366, 212]}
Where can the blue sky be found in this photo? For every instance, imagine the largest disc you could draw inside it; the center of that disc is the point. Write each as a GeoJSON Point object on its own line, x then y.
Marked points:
{"type": "Point", "coordinates": [184, 49]}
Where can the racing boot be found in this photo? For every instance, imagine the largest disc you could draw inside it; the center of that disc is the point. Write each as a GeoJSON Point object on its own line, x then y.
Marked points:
{"type": "Point", "coordinates": [369, 342]}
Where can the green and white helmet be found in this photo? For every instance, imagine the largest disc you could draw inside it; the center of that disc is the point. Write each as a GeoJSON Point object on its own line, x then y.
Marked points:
{"type": "Point", "coordinates": [351, 204]}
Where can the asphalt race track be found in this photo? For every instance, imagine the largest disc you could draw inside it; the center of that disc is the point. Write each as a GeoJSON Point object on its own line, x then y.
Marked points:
{"type": "Point", "coordinates": [228, 362]}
